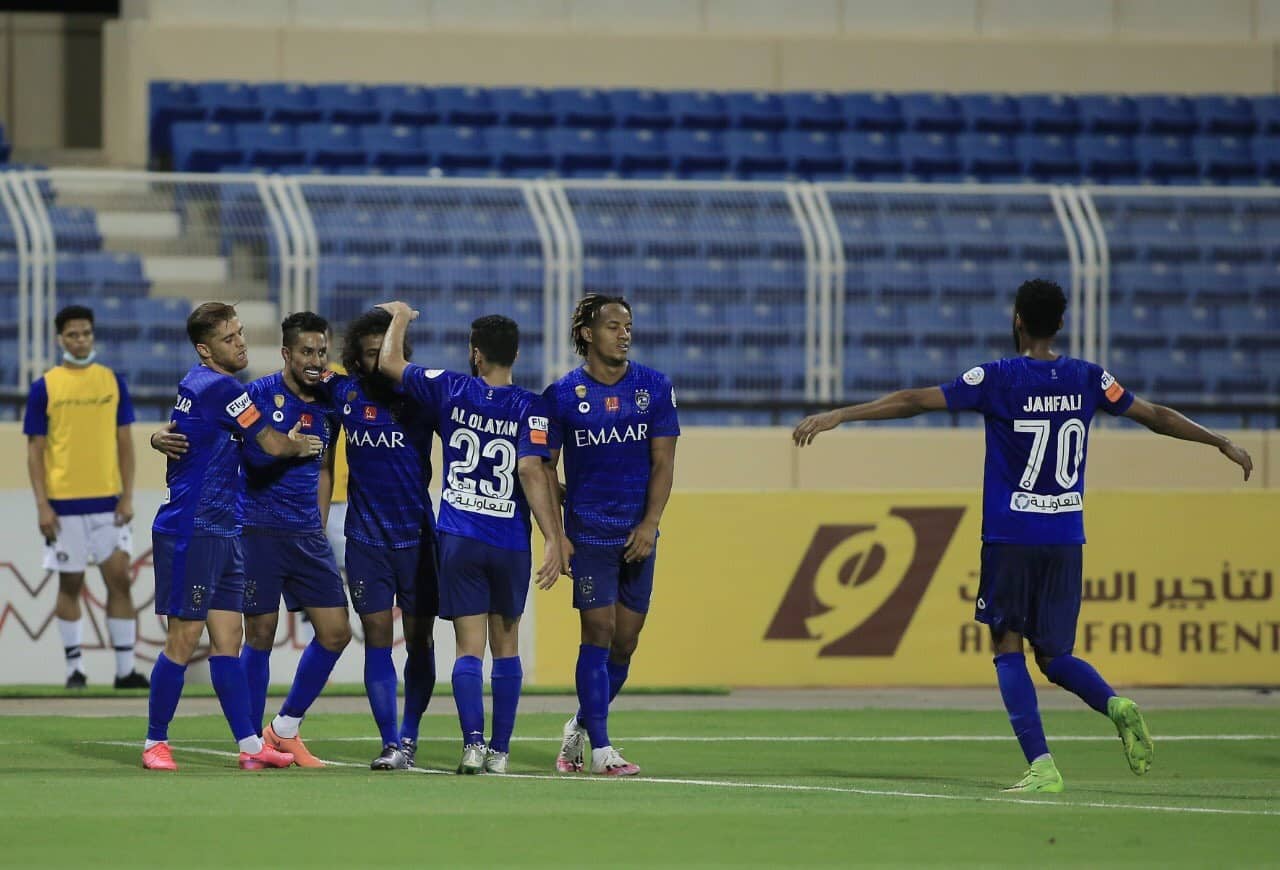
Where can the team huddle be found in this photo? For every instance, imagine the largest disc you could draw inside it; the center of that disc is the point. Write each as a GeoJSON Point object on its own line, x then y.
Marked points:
{"type": "Point", "coordinates": [249, 482]}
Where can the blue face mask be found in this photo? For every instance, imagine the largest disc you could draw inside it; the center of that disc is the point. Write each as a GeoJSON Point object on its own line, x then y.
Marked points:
{"type": "Point", "coordinates": [78, 360]}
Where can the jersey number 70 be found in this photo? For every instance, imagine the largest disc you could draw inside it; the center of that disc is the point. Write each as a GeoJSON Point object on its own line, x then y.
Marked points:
{"type": "Point", "coordinates": [1071, 436]}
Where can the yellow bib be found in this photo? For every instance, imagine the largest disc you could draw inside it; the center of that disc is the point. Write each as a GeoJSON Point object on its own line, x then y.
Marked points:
{"type": "Point", "coordinates": [80, 457]}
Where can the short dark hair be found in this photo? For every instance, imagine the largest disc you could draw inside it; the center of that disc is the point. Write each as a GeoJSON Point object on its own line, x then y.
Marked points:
{"type": "Point", "coordinates": [497, 337]}
{"type": "Point", "coordinates": [206, 318]}
{"type": "Point", "coordinates": [1041, 305]}
{"type": "Point", "coordinates": [375, 321]}
{"type": "Point", "coordinates": [70, 313]}
{"type": "Point", "coordinates": [299, 322]}
{"type": "Point", "coordinates": [585, 315]}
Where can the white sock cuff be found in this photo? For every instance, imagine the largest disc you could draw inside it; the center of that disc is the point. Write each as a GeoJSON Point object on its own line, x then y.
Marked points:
{"type": "Point", "coordinates": [123, 632]}
{"type": "Point", "coordinates": [286, 726]}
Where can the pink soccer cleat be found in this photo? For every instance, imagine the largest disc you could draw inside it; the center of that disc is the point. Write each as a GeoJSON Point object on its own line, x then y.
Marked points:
{"type": "Point", "coordinates": [158, 757]}
{"type": "Point", "coordinates": [607, 761]}
{"type": "Point", "coordinates": [267, 756]}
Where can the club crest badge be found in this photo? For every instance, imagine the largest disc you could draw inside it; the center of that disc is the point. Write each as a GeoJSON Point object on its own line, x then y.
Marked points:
{"type": "Point", "coordinates": [642, 400]}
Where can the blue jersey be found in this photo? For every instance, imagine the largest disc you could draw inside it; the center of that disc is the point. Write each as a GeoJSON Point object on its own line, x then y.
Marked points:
{"type": "Point", "coordinates": [282, 494]}
{"type": "Point", "coordinates": [1037, 416]}
{"type": "Point", "coordinates": [604, 432]}
{"type": "Point", "coordinates": [203, 487]}
{"type": "Point", "coordinates": [389, 456]}
{"type": "Point", "coordinates": [485, 432]}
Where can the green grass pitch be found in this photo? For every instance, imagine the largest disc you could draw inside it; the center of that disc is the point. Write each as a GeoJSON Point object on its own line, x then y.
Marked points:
{"type": "Point", "coordinates": [765, 787]}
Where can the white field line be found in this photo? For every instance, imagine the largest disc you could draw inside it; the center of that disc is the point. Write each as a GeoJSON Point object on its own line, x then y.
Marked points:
{"type": "Point", "coordinates": [896, 738]}
{"type": "Point", "coordinates": [769, 786]}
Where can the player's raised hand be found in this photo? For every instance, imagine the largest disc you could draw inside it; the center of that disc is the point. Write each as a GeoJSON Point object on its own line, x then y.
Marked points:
{"type": "Point", "coordinates": [394, 308]}
{"type": "Point", "coordinates": [1239, 456]}
{"type": "Point", "coordinates": [639, 544]}
{"type": "Point", "coordinates": [307, 445]}
{"type": "Point", "coordinates": [549, 570]}
{"type": "Point", "coordinates": [808, 428]}
{"type": "Point", "coordinates": [171, 444]}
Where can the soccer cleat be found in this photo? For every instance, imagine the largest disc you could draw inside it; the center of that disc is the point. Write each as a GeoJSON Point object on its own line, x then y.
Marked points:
{"type": "Point", "coordinates": [158, 757]}
{"type": "Point", "coordinates": [1042, 777]}
{"type": "Point", "coordinates": [573, 740]}
{"type": "Point", "coordinates": [77, 680]}
{"type": "Point", "coordinates": [473, 755]}
{"type": "Point", "coordinates": [391, 758]}
{"type": "Point", "coordinates": [132, 680]}
{"type": "Point", "coordinates": [267, 756]}
{"type": "Point", "coordinates": [291, 746]}
{"type": "Point", "coordinates": [409, 748]}
{"type": "Point", "coordinates": [495, 762]}
{"type": "Point", "coordinates": [1132, 728]}
{"type": "Point", "coordinates": [607, 761]}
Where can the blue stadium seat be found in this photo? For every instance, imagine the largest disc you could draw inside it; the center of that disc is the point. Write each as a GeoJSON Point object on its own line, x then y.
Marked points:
{"type": "Point", "coordinates": [522, 151]}
{"type": "Point", "coordinates": [580, 152]}
{"type": "Point", "coordinates": [1167, 159]}
{"type": "Point", "coordinates": [229, 102]}
{"type": "Point", "coordinates": [1049, 114]}
{"type": "Point", "coordinates": [1175, 375]}
{"type": "Point", "coordinates": [698, 110]}
{"type": "Point", "coordinates": [1166, 239]}
{"type": "Point", "coordinates": [458, 150]}
{"type": "Point", "coordinates": [871, 369]}
{"type": "Point", "coordinates": [813, 110]}
{"type": "Point", "coordinates": [1225, 115]}
{"type": "Point", "coordinates": [871, 154]}
{"type": "Point", "coordinates": [964, 281]}
{"type": "Point", "coordinates": [1168, 114]}
{"type": "Point", "coordinates": [991, 113]}
{"type": "Point", "coordinates": [989, 156]}
{"type": "Point", "coordinates": [931, 113]}
{"type": "Point", "coordinates": [929, 154]}
{"type": "Point", "coordinates": [1224, 159]}
{"type": "Point", "coordinates": [1147, 283]}
{"type": "Point", "coordinates": [1137, 326]}
{"type": "Point", "coordinates": [332, 145]}
{"type": "Point", "coordinates": [1108, 114]}
{"type": "Point", "coordinates": [1108, 157]}
{"type": "Point", "coordinates": [900, 281]}
{"type": "Point", "coordinates": [698, 153]}
{"type": "Point", "coordinates": [204, 147]}
{"type": "Point", "coordinates": [877, 112]}
{"type": "Point", "coordinates": [582, 107]}
{"type": "Point", "coordinates": [289, 103]}
{"type": "Point", "coordinates": [914, 237]}
{"type": "Point", "coordinates": [1219, 283]}
{"type": "Point", "coordinates": [1230, 239]}
{"type": "Point", "coordinates": [1266, 114]}
{"type": "Point", "coordinates": [522, 107]}
{"type": "Point", "coordinates": [813, 153]}
{"type": "Point", "coordinates": [976, 237]}
{"type": "Point", "coordinates": [352, 231]}
{"type": "Point", "coordinates": [406, 104]}
{"type": "Point", "coordinates": [390, 146]}
{"type": "Point", "coordinates": [640, 153]}
{"type": "Point", "coordinates": [641, 109]}
{"type": "Point", "coordinates": [1038, 239]}
{"type": "Point", "coordinates": [1266, 155]}
{"type": "Point", "coordinates": [170, 103]}
{"type": "Point", "coordinates": [760, 110]}
{"type": "Point", "coordinates": [1048, 157]}
{"type": "Point", "coordinates": [119, 274]}
{"type": "Point", "coordinates": [465, 107]}
{"type": "Point", "coordinates": [347, 104]}
{"type": "Point", "coordinates": [269, 145]}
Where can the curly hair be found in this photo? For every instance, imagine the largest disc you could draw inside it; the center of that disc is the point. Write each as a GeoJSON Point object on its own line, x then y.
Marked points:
{"type": "Point", "coordinates": [1041, 304]}
{"type": "Point", "coordinates": [375, 321]}
{"type": "Point", "coordinates": [585, 314]}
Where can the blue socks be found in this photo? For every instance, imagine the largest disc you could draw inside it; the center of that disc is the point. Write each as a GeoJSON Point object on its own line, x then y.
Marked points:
{"type": "Point", "coordinates": [233, 694]}
{"type": "Point", "coordinates": [1079, 677]}
{"type": "Point", "coordinates": [419, 683]}
{"type": "Point", "coordinates": [313, 672]}
{"type": "Point", "coordinates": [592, 679]}
{"type": "Point", "coordinates": [617, 676]}
{"type": "Point", "coordinates": [257, 671]}
{"type": "Point", "coordinates": [166, 688]}
{"type": "Point", "coordinates": [468, 695]}
{"type": "Point", "coordinates": [506, 679]}
{"type": "Point", "coordinates": [1019, 695]}
{"type": "Point", "coordinates": [380, 686]}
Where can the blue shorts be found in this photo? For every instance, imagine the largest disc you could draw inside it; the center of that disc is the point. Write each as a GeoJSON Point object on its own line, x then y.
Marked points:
{"type": "Point", "coordinates": [1034, 591]}
{"type": "Point", "coordinates": [299, 567]}
{"type": "Point", "coordinates": [601, 578]}
{"type": "Point", "coordinates": [197, 574]}
{"type": "Point", "coordinates": [477, 578]}
{"type": "Point", "coordinates": [380, 577]}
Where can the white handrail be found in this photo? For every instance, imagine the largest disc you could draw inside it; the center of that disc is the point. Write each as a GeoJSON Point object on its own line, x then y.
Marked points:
{"type": "Point", "coordinates": [828, 222]}
{"type": "Point", "coordinates": [1076, 260]}
{"type": "Point", "coordinates": [813, 279]}
{"type": "Point", "coordinates": [1103, 321]}
{"type": "Point", "coordinates": [284, 238]}
{"type": "Point", "coordinates": [542, 226]}
{"type": "Point", "coordinates": [26, 361]}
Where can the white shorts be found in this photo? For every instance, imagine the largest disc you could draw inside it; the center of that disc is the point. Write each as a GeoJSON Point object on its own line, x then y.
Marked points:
{"type": "Point", "coordinates": [86, 539]}
{"type": "Point", "coordinates": [335, 531]}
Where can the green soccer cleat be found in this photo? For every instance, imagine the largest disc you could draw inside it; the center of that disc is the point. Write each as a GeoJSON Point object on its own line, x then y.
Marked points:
{"type": "Point", "coordinates": [1042, 777]}
{"type": "Point", "coordinates": [1133, 732]}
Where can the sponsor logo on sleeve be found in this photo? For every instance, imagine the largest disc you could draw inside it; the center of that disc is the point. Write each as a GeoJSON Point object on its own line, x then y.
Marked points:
{"type": "Point", "coordinates": [538, 430]}
{"type": "Point", "coordinates": [673, 398]}
{"type": "Point", "coordinates": [1111, 387]}
{"type": "Point", "coordinates": [974, 376]}
{"type": "Point", "coordinates": [243, 410]}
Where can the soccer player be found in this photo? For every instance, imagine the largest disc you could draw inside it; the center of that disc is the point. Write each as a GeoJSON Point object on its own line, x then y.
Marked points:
{"type": "Point", "coordinates": [390, 532]}
{"type": "Point", "coordinates": [616, 423]}
{"type": "Point", "coordinates": [199, 569]}
{"type": "Point", "coordinates": [285, 548]}
{"type": "Point", "coordinates": [1038, 407]}
{"type": "Point", "coordinates": [495, 443]}
{"type": "Point", "coordinates": [80, 460]}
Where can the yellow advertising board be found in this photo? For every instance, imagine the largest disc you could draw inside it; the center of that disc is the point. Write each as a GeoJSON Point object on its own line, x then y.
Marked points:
{"type": "Point", "coordinates": [848, 589]}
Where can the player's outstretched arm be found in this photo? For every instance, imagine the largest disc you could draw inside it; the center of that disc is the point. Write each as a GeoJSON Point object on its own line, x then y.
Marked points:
{"type": "Point", "coordinates": [391, 361]}
{"type": "Point", "coordinates": [1166, 421]}
{"type": "Point", "coordinates": [894, 406]}
{"type": "Point", "coordinates": [171, 444]}
{"type": "Point", "coordinates": [537, 491]}
{"type": "Point", "coordinates": [289, 446]}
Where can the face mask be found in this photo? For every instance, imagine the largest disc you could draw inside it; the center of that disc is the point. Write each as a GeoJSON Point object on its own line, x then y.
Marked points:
{"type": "Point", "coordinates": [79, 361]}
